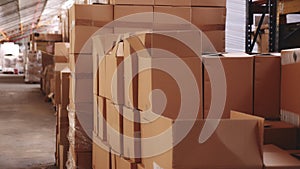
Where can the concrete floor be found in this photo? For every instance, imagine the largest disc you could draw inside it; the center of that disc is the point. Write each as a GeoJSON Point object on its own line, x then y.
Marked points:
{"type": "Point", "coordinates": [27, 126]}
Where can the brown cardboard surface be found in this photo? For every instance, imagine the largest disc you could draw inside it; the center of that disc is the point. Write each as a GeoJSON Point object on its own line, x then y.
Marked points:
{"type": "Point", "coordinates": [90, 15]}
{"type": "Point", "coordinates": [208, 18]}
{"type": "Point", "coordinates": [290, 81]}
{"type": "Point", "coordinates": [132, 132]}
{"type": "Point", "coordinates": [57, 87]}
{"type": "Point", "coordinates": [173, 2]}
{"type": "Point", "coordinates": [61, 59]}
{"type": "Point", "coordinates": [203, 3]}
{"type": "Point", "coordinates": [84, 159]}
{"type": "Point", "coordinates": [125, 10]}
{"type": "Point", "coordinates": [83, 90]}
{"type": "Point", "coordinates": [72, 93]}
{"type": "Point", "coordinates": [101, 120]}
{"type": "Point", "coordinates": [267, 87]}
{"type": "Point", "coordinates": [132, 2]}
{"type": "Point", "coordinates": [130, 80]}
{"type": "Point", "coordinates": [136, 22]}
{"type": "Point", "coordinates": [226, 146]}
{"type": "Point", "coordinates": [143, 84]}
{"type": "Point", "coordinates": [102, 77]}
{"type": "Point", "coordinates": [62, 158]}
{"type": "Point", "coordinates": [126, 164]}
{"type": "Point", "coordinates": [101, 156]}
{"type": "Point", "coordinates": [281, 134]}
{"type": "Point", "coordinates": [239, 83]}
{"type": "Point", "coordinates": [114, 126]}
{"type": "Point", "coordinates": [182, 12]}
{"type": "Point", "coordinates": [243, 116]}
{"type": "Point", "coordinates": [77, 63]}
{"type": "Point", "coordinates": [217, 38]}
{"type": "Point", "coordinates": [209, 3]}
{"type": "Point", "coordinates": [65, 83]}
{"type": "Point", "coordinates": [61, 49]}
{"type": "Point", "coordinates": [168, 18]}
{"type": "Point", "coordinates": [80, 39]}
{"type": "Point", "coordinates": [151, 79]}
{"type": "Point", "coordinates": [140, 166]}
{"type": "Point", "coordinates": [114, 72]}
{"type": "Point", "coordinates": [276, 158]}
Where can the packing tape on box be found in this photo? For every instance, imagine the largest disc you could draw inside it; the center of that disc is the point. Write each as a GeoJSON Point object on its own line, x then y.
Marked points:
{"type": "Point", "coordinates": [87, 22]}
{"type": "Point", "coordinates": [212, 27]}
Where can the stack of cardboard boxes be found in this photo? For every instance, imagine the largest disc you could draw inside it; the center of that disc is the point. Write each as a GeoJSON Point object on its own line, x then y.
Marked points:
{"type": "Point", "coordinates": [103, 82]}
{"type": "Point", "coordinates": [60, 86]}
{"type": "Point", "coordinates": [84, 21]}
{"type": "Point", "coordinates": [123, 122]}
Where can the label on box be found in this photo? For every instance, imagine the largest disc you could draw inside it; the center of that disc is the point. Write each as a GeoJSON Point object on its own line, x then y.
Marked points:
{"type": "Point", "coordinates": [156, 166]}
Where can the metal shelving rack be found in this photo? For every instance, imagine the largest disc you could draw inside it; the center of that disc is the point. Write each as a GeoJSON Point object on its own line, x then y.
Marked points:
{"type": "Point", "coordinates": [277, 11]}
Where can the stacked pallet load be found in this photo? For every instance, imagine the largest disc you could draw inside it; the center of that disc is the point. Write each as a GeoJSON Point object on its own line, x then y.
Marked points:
{"type": "Point", "coordinates": [84, 21]}
{"type": "Point", "coordinates": [138, 126]}
{"type": "Point", "coordinates": [60, 100]}
{"type": "Point", "coordinates": [126, 118]}
{"type": "Point", "coordinates": [33, 67]}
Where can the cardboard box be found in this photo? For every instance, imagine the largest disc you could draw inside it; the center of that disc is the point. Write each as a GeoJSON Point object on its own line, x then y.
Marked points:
{"type": "Point", "coordinates": [61, 59]}
{"type": "Point", "coordinates": [101, 118]}
{"type": "Point", "coordinates": [114, 72]}
{"type": "Point", "coordinates": [209, 3]}
{"type": "Point", "coordinates": [172, 18]}
{"type": "Point", "coordinates": [132, 2]}
{"type": "Point", "coordinates": [62, 157]}
{"type": "Point", "coordinates": [61, 49]}
{"type": "Point", "coordinates": [217, 39]}
{"type": "Point", "coordinates": [243, 116]}
{"type": "Point", "coordinates": [101, 155]}
{"type": "Point", "coordinates": [140, 166]}
{"type": "Point", "coordinates": [90, 15]}
{"type": "Point", "coordinates": [132, 135]}
{"type": "Point", "coordinates": [78, 62]}
{"type": "Point", "coordinates": [132, 18]}
{"type": "Point", "coordinates": [290, 56]}
{"type": "Point", "coordinates": [203, 3]}
{"type": "Point", "coordinates": [84, 159]}
{"type": "Point", "coordinates": [125, 10]}
{"type": "Point", "coordinates": [176, 92]}
{"type": "Point", "coordinates": [208, 18]}
{"type": "Point", "coordinates": [137, 62]}
{"type": "Point", "coordinates": [83, 90]}
{"type": "Point", "coordinates": [225, 147]}
{"type": "Point", "coordinates": [281, 134]}
{"type": "Point", "coordinates": [182, 12]}
{"type": "Point", "coordinates": [173, 2]}
{"type": "Point", "coordinates": [48, 37]}
{"type": "Point", "coordinates": [267, 78]}
{"type": "Point", "coordinates": [57, 87]}
{"type": "Point", "coordinates": [276, 158]}
{"type": "Point", "coordinates": [80, 39]}
{"type": "Point", "coordinates": [65, 83]}
{"type": "Point", "coordinates": [211, 21]}
{"type": "Point", "coordinates": [238, 85]}
{"type": "Point", "coordinates": [114, 120]}
{"type": "Point", "coordinates": [115, 160]}
{"type": "Point", "coordinates": [126, 164]}
{"type": "Point", "coordinates": [290, 73]}
{"type": "Point", "coordinates": [81, 128]}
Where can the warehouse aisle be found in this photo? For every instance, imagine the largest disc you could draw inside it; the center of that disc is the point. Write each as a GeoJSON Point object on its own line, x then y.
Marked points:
{"type": "Point", "coordinates": [27, 125]}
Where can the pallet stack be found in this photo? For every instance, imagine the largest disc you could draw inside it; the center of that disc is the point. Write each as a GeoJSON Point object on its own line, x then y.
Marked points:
{"type": "Point", "coordinates": [84, 21]}
{"type": "Point", "coordinates": [108, 110]}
